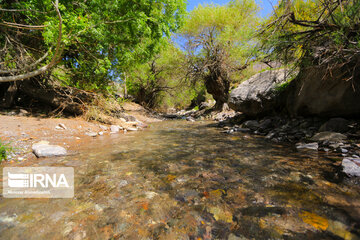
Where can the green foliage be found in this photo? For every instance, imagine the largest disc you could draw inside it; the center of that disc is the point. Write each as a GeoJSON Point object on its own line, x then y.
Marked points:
{"type": "Point", "coordinates": [231, 26]}
{"type": "Point", "coordinates": [5, 149]}
{"type": "Point", "coordinates": [220, 43]}
{"type": "Point", "coordinates": [100, 38]}
{"type": "Point", "coordinates": [158, 78]}
{"type": "Point", "coordinates": [325, 30]}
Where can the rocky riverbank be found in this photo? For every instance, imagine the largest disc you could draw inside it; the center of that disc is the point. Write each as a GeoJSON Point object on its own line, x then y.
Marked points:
{"type": "Point", "coordinates": [336, 135]}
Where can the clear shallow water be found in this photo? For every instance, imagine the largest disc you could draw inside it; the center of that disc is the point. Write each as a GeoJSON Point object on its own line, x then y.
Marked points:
{"type": "Point", "coordinates": [181, 180]}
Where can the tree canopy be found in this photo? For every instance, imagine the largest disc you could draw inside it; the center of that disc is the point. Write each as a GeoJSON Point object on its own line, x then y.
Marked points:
{"type": "Point", "coordinates": [98, 36]}
{"type": "Point", "coordinates": [328, 31]}
{"type": "Point", "coordinates": [219, 42]}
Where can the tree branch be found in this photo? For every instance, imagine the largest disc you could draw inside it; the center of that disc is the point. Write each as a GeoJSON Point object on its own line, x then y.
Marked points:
{"type": "Point", "coordinates": [47, 67]}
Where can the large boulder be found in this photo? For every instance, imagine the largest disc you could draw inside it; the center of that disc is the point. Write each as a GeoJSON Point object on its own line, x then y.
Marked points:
{"type": "Point", "coordinates": [43, 149]}
{"type": "Point", "coordinates": [335, 125]}
{"type": "Point", "coordinates": [329, 136]}
{"type": "Point", "coordinates": [258, 95]}
{"type": "Point", "coordinates": [316, 91]}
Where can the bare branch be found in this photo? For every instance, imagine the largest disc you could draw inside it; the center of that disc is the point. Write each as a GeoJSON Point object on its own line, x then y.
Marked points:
{"type": "Point", "coordinates": [47, 67]}
{"type": "Point", "coordinates": [22, 26]}
{"type": "Point", "coordinates": [29, 67]}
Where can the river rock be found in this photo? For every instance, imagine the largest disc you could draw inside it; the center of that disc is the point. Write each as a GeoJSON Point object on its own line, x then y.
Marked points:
{"type": "Point", "coordinates": [251, 124]}
{"type": "Point", "coordinates": [351, 166]}
{"type": "Point", "coordinates": [7, 221]}
{"type": "Point", "coordinates": [104, 128]}
{"type": "Point", "coordinates": [335, 125]}
{"type": "Point", "coordinates": [43, 149]}
{"type": "Point", "coordinates": [329, 136]}
{"type": "Point", "coordinates": [23, 112]}
{"type": "Point", "coordinates": [265, 124]}
{"type": "Point", "coordinates": [132, 123]}
{"type": "Point", "coordinates": [258, 95]}
{"type": "Point", "coordinates": [115, 128]}
{"type": "Point", "coordinates": [311, 146]}
{"type": "Point", "coordinates": [91, 134]}
{"type": "Point", "coordinates": [141, 124]}
{"type": "Point", "coordinates": [204, 105]}
{"type": "Point", "coordinates": [190, 119]}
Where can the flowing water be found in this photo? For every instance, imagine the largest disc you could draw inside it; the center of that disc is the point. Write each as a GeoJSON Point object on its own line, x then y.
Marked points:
{"type": "Point", "coordinates": [181, 180]}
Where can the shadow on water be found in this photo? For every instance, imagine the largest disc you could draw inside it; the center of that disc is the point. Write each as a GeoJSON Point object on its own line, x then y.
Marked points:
{"type": "Point", "coordinates": [201, 168]}
{"type": "Point", "coordinates": [181, 180]}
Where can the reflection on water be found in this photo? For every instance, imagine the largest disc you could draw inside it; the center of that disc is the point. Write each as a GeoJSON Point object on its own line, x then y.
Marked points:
{"type": "Point", "coordinates": [181, 180]}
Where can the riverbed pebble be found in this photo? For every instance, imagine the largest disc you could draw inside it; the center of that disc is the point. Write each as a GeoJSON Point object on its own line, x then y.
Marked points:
{"type": "Point", "coordinates": [43, 149]}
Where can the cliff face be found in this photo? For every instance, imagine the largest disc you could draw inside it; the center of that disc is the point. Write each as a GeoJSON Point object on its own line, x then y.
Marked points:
{"type": "Point", "coordinates": [316, 91]}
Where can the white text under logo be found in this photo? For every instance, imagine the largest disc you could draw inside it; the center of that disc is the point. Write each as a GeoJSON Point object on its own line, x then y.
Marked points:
{"type": "Point", "coordinates": [38, 182]}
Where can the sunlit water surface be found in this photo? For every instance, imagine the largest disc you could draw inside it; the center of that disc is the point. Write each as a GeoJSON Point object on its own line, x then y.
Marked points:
{"type": "Point", "coordinates": [181, 180]}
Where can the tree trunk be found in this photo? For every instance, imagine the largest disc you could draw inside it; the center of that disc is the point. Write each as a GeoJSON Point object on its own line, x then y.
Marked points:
{"type": "Point", "coordinates": [125, 88]}
{"type": "Point", "coordinates": [10, 95]}
{"type": "Point", "coordinates": [218, 87]}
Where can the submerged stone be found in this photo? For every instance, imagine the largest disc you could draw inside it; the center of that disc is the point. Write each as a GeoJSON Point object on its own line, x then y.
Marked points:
{"type": "Point", "coordinates": [351, 166]}
{"type": "Point", "coordinates": [311, 146]}
{"type": "Point", "coordinates": [329, 136]}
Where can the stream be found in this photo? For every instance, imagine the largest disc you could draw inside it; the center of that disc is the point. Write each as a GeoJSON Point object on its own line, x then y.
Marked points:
{"type": "Point", "coordinates": [184, 180]}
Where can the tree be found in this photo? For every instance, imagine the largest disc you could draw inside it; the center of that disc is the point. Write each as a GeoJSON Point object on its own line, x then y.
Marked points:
{"type": "Point", "coordinates": [161, 75]}
{"type": "Point", "coordinates": [97, 36]}
{"type": "Point", "coordinates": [219, 42]}
{"type": "Point", "coordinates": [307, 32]}
{"type": "Point", "coordinates": [26, 71]}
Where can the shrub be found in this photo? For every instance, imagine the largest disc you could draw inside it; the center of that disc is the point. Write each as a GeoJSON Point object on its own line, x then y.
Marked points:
{"type": "Point", "coordinates": [5, 149]}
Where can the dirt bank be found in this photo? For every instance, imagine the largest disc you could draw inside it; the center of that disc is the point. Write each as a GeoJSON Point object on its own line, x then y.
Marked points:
{"type": "Point", "coordinates": [21, 132]}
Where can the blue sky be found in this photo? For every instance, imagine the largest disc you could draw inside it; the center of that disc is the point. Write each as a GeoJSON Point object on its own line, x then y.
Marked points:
{"type": "Point", "coordinates": [265, 5]}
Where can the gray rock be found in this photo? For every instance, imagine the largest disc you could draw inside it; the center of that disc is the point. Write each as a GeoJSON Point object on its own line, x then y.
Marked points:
{"type": "Point", "coordinates": [104, 128]}
{"type": "Point", "coordinates": [128, 118]}
{"type": "Point", "coordinates": [91, 134]}
{"type": "Point", "coordinates": [311, 146]}
{"type": "Point", "coordinates": [23, 112]}
{"type": "Point", "coordinates": [115, 128]}
{"type": "Point", "coordinates": [336, 145]}
{"type": "Point", "coordinates": [270, 135]}
{"type": "Point", "coordinates": [7, 221]}
{"type": "Point", "coordinates": [243, 130]}
{"type": "Point", "coordinates": [251, 124]}
{"type": "Point", "coordinates": [329, 136]}
{"type": "Point", "coordinates": [204, 105]}
{"type": "Point", "coordinates": [335, 125]}
{"type": "Point", "coordinates": [190, 119]}
{"type": "Point", "coordinates": [351, 167]}
{"type": "Point", "coordinates": [123, 183]}
{"type": "Point", "coordinates": [343, 150]}
{"type": "Point", "coordinates": [267, 123]}
{"type": "Point", "coordinates": [43, 149]}
{"type": "Point", "coordinates": [141, 124]}
{"type": "Point", "coordinates": [258, 95]}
